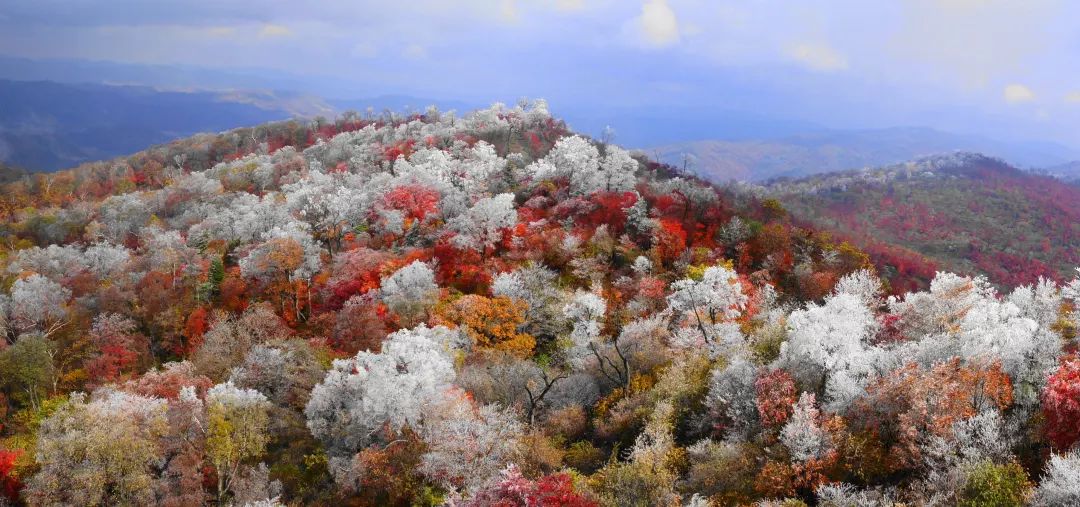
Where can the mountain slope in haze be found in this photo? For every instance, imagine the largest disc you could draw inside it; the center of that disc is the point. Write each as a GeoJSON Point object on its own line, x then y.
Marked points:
{"type": "Point", "coordinates": [1069, 171]}
{"type": "Point", "coordinates": [10, 172]}
{"type": "Point", "coordinates": [968, 213]}
{"type": "Point", "coordinates": [48, 126]}
{"type": "Point", "coordinates": [827, 151]}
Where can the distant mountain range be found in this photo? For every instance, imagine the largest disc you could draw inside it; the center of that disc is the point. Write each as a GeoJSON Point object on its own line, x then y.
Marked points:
{"type": "Point", "coordinates": [45, 125]}
{"type": "Point", "coordinates": [1069, 171]}
{"type": "Point", "coordinates": [828, 151]}
{"type": "Point", "coordinates": [59, 121]}
{"type": "Point", "coordinates": [962, 212]}
{"type": "Point", "coordinates": [48, 126]}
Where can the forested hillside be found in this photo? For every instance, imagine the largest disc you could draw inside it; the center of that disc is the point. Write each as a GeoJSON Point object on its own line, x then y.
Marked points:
{"type": "Point", "coordinates": [10, 173]}
{"type": "Point", "coordinates": [963, 212]}
{"type": "Point", "coordinates": [490, 310]}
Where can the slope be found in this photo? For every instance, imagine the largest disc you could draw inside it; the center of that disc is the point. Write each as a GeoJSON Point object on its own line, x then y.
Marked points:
{"type": "Point", "coordinates": [968, 213]}
{"type": "Point", "coordinates": [824, 151]}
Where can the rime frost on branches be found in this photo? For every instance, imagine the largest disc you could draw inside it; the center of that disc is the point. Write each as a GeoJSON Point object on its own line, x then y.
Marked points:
{"type": "Point", "coordinates": [481, 227]}
{"type": "Point", "coordinates": [1060, 484]}
{"type": "Point", "coordinates": [585, 313]}
{"type": "Point", "coordinates": [803, 435]}
{"type": "Point", "coordinates": [830, 342]}
{"type": "Point", "coordinates": [38, 303]}
{"type": "Point", "coordinates": [717, 295]}
{"type": "Point", "coordinates": [410, 290]}
{"type": "Point", "coordinates": [362, 395]}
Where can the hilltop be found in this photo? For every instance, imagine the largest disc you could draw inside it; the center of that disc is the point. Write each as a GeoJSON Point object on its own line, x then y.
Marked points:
{"type": "Point", "coordinates": [964, 212]}
{"type": "Point", "coordinates": [820, 151]}
{"type": "Point", "coordinates": [492, 310]}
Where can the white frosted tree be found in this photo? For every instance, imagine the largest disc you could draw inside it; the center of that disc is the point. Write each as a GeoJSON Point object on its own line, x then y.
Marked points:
{"type": "Point", "coordinates": [585, 312]}
{"type": "Point", "coordinates": [410, 291]}
{"type": "Point", "coordinates": [732, 397]}
{"type": "Point", "coordinates": [863, 284]}
{"type": "Point", "coordinates": [99, 452]}
{"type": "Point", "coordinates": [573, 158]}
{"type": "Point", "coordinates": [941, 308]}
{"type": "Point", "coordinates": [468, 444]}
{"type": "Point", "coordinates": [993, 330]}
{"type": "Point", "coordinates": [1060, 484]}
{"type": "Point", "coordinates": [361, 396]}
{"type": "Point", "coordinates": [537, 286]}
{"type": "Point", "coordinates": [1040, 302]}
{"type": "Point", "coordinates": [829, 343]}
{"type": "Point", "coordinates": [616, 171]}
{"type": "Point", "coordinates": [803, 435]}
{"type": "Point", "coordinates": [716, 297]}
{"type": "Point", "coordinates": [482, 226]}
{"type": "Point", "coordinates": [38, 303]}
{"type": "Point", "coordinates": [328, 206]}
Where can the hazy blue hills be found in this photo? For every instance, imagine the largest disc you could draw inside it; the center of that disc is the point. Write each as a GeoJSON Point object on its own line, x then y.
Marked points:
{"type": "Point", "coordinates": [48, 125]}
{"type": "Point", "coordinates": [825, 151]}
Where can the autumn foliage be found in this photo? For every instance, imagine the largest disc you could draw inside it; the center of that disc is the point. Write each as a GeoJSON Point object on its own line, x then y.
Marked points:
{"type": "Point", "coordinates": [1061, 404]}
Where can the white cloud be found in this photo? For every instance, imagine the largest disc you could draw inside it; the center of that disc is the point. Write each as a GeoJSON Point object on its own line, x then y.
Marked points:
{"type": "Point", "coordinates": [365, 50]}
{"type": "Point", "coordinates": [221, 31]}
{"type": "Point", "coordinates": [272, 30]}
{"type": "Point", "coordinates": [1017, 93]}
{"type": "Point", "coordinates": [817, 56]}
{"type": "Point", "coordinates": [659, 26]}
{"type": "Point", "coordinates": [976, 40]}
{"type": "Point", "coordinates": [569, 5]}
{"type": "Point", "coordinates": [1073, 97]}
{"type": "Point", "coordinates": [508, 11]}
{"type": "Point", "coordinates": [415, 52]}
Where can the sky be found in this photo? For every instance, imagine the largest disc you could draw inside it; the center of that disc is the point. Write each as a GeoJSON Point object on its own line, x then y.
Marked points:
{"type": "Point", "coordinates": [1000, 68]}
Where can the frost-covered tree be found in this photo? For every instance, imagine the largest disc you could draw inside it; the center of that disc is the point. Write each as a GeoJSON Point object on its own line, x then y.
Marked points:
{"type": "Point", "coordinates": [803, 435]}
{"type": "Point", "coordinates": [1040, 302]}
{"type": "Point", "coordinates": [616, 171]}
{"type": "Point", "coordinates": [123, 215]}
{"type": "Point", "coordinates": [941, 308]}
{"type": "Point", "coordinates": [1060, 484]}
{"type": "Point", "coordinates": [410, 291]}
{"type": "Point", "coordinates": [38, 303]}
{"type": "Point", "coordinates": [283, 371]}
{"type": "Point", "coordinates": [993, 330]}
{"type": "Point", "coordinates": [863, 284]}
{"type": "Point", "coordinates": [481, 227]}
{"type": "Point", "coordinates": [573, 158]}
{"type": "Point", "coordinates": [537, 286]}
{"type": "Point", "coordinates": [330, 204]}
{"type": "Point", "coordinates": [368, 393]}
{"type": "Point", "coordinates": [99, 452]}
{"type": "Point", "coordinates": [715, 297]}
{"type": "Point", "coordinates": [585, 312]}
{"type": "Point", "coordinates": [468, 445]}
{"type": "Point", "coordinates": [830, 343]}
{"type": "Point", "coordinates": [731, 397]}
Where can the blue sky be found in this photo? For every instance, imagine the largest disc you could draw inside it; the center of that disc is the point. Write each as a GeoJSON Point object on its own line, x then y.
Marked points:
{"type": "Point", "coordinates": [1007, 69]}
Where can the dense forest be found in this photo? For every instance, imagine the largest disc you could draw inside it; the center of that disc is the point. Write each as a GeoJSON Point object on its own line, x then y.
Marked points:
{"type": "Point", "coordinates": [961, 212]}
{"type": "Point", "coordinates": [490, 310]}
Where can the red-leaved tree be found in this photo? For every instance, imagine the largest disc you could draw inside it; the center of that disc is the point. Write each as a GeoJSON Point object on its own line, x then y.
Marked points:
{"type": "Point", "coordinates": [1061, 404]}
